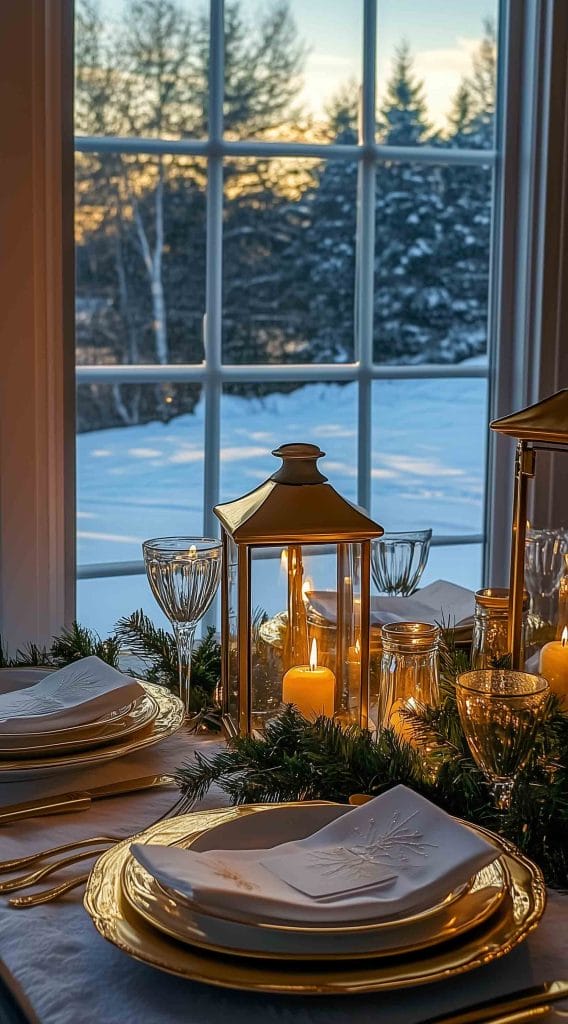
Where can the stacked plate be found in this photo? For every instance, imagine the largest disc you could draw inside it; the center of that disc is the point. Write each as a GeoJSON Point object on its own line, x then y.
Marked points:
{"type": "Point", "coordinates": [50, 721]}
{"type": "Point", "coordinates": [187, 932]}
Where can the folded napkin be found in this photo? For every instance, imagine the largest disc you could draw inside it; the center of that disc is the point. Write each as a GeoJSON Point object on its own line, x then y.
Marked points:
{"type": "Point", "coordinates": [440, 601]}
{"type": "Point", "coordinates": [394, 855]}
{"type": "Point", "coordinates": [75, 695]}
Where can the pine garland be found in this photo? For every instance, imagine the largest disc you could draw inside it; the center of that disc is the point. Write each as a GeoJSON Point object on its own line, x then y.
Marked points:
{"type": "Point", "coordinates": [295, 759]}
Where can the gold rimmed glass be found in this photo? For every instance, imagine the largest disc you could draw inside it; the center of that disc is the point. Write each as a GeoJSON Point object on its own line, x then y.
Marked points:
{"type": "Point", "coordinates": [500, 711]}
{"type": "Point", "coordinates": [183, 573]}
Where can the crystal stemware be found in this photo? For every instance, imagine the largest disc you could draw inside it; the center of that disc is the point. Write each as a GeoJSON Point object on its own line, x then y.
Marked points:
{"type": "Point", "coordinates": [500, 711]}
{"type": "Point", "coordinates": [398, 561]}
{"type": "Point", "coordinates": [183, 573]}
{"type": "Point", "coordinates": [544, 566]}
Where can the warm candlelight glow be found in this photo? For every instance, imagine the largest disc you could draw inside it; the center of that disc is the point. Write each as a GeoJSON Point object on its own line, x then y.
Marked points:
{"type": "Point", "coordinates": [192, 553]}
{"type": "Point", "coordinates": [310, 687]}
{"type": "Point", "coordinates": [307, 587]}
{"type": "Point", "coordinates": [284, 561]}
{"type": "Point", "coordinates": [554, 665]}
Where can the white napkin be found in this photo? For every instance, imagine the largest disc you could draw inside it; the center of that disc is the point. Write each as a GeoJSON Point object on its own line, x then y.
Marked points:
{"type": "Point", "coordinates": [74, 695]}
{"type": "Point", "coordinates": [440, 601]}
{"type": "Point", "coordinates": [393, 855]}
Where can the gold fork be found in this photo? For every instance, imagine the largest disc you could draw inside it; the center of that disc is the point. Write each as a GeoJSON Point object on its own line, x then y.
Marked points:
{"type": "Point", "coordinates": [16, 863]}
{"type": "Point", "coordinates": [48, 895]}
{"type": "Point", "coordinates": [23, 881]}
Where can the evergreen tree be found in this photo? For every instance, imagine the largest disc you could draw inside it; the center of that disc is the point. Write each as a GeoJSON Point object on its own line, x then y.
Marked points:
{"type": "Point", "coordinates": [463, 255]}
{"type": "Point", "coordinates": [410, 304]}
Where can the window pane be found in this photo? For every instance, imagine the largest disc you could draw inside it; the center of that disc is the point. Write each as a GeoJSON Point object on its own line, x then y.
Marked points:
{"type": "Point", "coordinates": [293, 71]}
{"type": "Point", "coordinates": [141, 68]}
{"type": "Point", "coordinates": [432, 258]}
{"type": "Point", "coordinates": [139, 481]}
{"type": "Point", "coordinates": [101, 603]}
{"type": "Point", "coordinates": [429, 441]}
{"type": "Point", "coordinates": [436, 72]}
{"type": "Point", "coordinates": [460, 563]}
{"type": "Point", "coordinates": [140, 257]}
{"type": "Point", "coordinates": [289, 261]}
{"type": "Point", "coordinates": [252, 425]}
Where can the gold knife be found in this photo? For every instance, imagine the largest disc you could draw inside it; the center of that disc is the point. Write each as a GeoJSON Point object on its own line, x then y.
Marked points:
{"type": "Point", "coordinates": [63, 803]}
{"type": "Point", "coordinates": [509, 1009]}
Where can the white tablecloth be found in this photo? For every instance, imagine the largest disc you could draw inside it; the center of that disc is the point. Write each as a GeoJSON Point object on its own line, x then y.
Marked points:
{"type": "Point", "coordinates": [70, 975]}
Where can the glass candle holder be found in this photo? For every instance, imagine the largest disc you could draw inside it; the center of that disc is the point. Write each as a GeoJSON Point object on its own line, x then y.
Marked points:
{"type": "Point", "coordinates": [409, 673]}
{"type": "Point", "coordinates": [491, 626]}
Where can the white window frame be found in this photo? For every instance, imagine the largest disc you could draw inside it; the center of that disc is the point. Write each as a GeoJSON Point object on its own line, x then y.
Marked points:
{"type": "Point", "coordinates": [37, 426]}
{"type": "Point", "coordinates": [212, 373]}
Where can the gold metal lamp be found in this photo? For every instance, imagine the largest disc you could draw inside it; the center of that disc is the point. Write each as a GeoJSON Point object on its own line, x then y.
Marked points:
{"type": "Point", "coordinates": [292, 543]}
{"type": "Point", "coordinates": [540, 427]}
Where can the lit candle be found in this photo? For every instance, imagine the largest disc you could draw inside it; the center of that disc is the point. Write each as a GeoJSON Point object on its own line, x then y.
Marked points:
{"type": "Point", "coordinates": [398, 721]}
{"type": "Point", "coordinates": [311, 688]}
{"type": "Point", "coordinates": [554, 665]}
{"type": "Point", "coordinates": [192, 553]}
{"type": "Point", "coordinates": [354, 665]}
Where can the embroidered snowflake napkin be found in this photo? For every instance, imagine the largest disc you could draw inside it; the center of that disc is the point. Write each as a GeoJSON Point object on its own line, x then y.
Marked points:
{"type": "Point", "coordinates": [75, 695]}
{"type": "Point", "coordinates": [395, 854]}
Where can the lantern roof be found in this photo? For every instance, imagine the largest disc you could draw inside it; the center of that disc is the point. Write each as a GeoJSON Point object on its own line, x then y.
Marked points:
{"type": "Point", "coordinates": [296, 505]}
{"type": "Point", "coordinates": [546, 421]}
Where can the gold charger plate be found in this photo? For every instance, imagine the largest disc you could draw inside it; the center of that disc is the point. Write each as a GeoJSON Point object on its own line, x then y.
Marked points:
{"type": "Point", "coordinates": [169, 717]}
{"type": "Point", "coordinates": [110, 728]}
{"type": "Point", "coordinates": [461, 910]}
{"type": "Point", "coordinates": [520, 912]}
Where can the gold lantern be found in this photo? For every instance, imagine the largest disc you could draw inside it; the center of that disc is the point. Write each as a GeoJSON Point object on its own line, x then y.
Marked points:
{"type": "Point", "coordinates": [295, 597]}
{"type": "Point", "coordinates": [540, 427]}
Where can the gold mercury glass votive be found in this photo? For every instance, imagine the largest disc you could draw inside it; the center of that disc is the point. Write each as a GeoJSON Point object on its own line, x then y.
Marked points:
{"type": "Point", "coordinates": [409, 673]}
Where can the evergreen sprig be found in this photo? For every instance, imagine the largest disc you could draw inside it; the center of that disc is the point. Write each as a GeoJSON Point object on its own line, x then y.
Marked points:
{"type": "Point", "coordinates": [297, 759]}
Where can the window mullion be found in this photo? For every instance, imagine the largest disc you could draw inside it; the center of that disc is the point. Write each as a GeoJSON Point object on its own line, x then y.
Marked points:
{"type": "Point", "coordinates": [214, 280]}
{"type": "Point", "coordinates": [365, 258]}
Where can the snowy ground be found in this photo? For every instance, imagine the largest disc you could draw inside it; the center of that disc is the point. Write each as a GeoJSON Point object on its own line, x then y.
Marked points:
{"type": "Point", "coordinates": [428, 464]}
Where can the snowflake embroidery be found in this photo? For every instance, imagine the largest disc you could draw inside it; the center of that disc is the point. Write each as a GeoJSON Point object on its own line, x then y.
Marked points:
{"type": "Point", "coordinates": [400, 841]}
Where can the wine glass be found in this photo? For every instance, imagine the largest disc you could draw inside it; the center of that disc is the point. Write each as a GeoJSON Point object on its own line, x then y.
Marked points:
{"type": "Point", "coordinates": [183, 573]}
{"type": "Point", "coordinates": [500, 711]}
{"type": "Point", "coordinates": [544, 565]}
{"type": "Point", "coordinates": [398, 561]}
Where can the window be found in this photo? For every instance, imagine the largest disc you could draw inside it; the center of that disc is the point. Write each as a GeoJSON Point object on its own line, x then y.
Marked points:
{"type": "Point", "coordinates": [283, 232]}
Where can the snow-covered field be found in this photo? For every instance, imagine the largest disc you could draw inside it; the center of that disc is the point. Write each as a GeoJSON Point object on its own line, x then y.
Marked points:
{"type": "Point", "coordinates": [427, 455]}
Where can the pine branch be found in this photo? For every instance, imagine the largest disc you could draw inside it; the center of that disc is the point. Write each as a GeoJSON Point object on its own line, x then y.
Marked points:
{"type": "Point", "coordinates": [79, 642]}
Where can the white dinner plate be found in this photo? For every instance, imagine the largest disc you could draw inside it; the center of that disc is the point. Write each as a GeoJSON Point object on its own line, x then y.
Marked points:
{"type": "Point", "coordinates": [177, 916]}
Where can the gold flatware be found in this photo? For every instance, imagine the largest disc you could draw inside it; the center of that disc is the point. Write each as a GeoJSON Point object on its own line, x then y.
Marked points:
{"type": "Point", "coordinates": [66, 803]}
{"type": "Point", "coordinates": [518, 1006]}
{"type": "Point", "coordinates": [23, 881]}
{"type": "Point", "coordinates": [48, 895]}
{"type": "Point", "coordinates": [32, 858]}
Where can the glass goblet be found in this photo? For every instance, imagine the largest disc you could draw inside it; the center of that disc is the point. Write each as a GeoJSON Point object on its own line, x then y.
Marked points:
{"type": "Point", "coordinates": [183, 573]}
{"type": "Point", "coordinates": [544, 566]}
{"type": "Point", "coordinates": [398, 561]}
{"type": "Point", "coordinates": [500, 711]}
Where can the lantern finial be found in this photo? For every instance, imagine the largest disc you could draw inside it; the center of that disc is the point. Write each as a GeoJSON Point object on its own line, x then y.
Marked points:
{"type": "Point", "coordinates": [298, 464]}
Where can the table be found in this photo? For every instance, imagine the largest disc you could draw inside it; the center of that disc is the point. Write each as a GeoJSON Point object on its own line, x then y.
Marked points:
{"type": "Point", "coordinates": [54, 958]}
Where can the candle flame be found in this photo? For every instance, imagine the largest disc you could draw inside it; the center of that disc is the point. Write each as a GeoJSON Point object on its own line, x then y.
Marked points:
{"type": "Point", "coordinates": [357, 646]}
{"type": "Point", "coordinates": [564, 637]}
{"type": "Point", "coordinates": [193, 551]}
{"type": "Point", "coordinates": [307, 586]}
{"type": "Point", "coordinates": [314, 655]}
{"type": "Point", "coordinates": [284, 560]}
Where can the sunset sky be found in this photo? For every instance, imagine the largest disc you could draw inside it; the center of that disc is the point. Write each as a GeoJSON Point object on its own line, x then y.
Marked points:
{"type": "Point", "coordinates": [442, 35]}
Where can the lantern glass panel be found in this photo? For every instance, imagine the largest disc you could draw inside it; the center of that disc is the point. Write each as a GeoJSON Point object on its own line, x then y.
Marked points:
{"type": "Point", "coordinates": [307, 649]}
{"type": "Point", "coordinates": [232, 578]}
